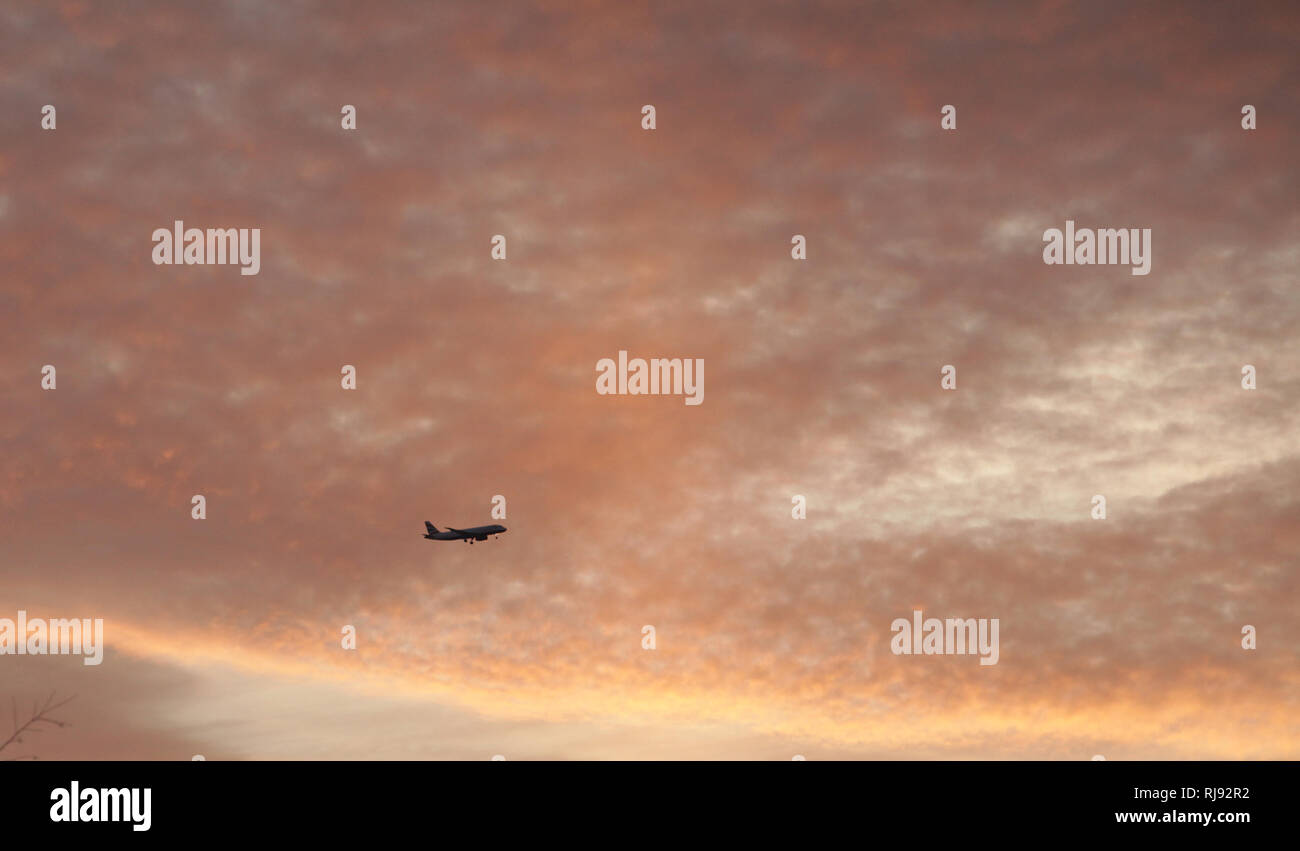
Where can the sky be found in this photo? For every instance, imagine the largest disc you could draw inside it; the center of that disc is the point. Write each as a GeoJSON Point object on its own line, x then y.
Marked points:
{"type": "Point", "coordinates": [475, 377]}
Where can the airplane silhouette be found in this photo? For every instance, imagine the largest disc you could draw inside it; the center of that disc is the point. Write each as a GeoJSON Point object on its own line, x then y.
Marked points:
{"type": "Point", "coordinates": [470, 535]}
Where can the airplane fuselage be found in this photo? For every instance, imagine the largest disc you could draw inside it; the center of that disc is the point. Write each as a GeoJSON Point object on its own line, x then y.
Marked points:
{"type": "Point", "coordinates": [472, 534]}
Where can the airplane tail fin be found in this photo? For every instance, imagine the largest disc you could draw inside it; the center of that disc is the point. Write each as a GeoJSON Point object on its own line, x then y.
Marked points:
{"type": "Point", "coordinates": [430, 528]}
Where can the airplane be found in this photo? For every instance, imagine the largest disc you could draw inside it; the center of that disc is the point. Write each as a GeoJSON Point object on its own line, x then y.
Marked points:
{"type": "Point", "coordinates": [470, 535]}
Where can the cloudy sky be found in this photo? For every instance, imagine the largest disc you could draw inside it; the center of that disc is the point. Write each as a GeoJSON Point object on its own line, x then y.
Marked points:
{"type": "Point", "coordinates": [1119, 637]}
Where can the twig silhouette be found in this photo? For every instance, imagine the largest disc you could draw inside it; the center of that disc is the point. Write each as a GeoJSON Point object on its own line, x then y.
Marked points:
{"type": "Point", "coordinates": [40, 715]}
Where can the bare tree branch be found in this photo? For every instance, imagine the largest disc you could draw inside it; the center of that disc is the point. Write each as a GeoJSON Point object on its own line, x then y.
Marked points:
{"type": "Point", "coordinates": [40, 715]}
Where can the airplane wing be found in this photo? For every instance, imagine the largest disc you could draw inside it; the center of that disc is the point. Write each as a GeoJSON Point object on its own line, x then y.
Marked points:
{"type": "Point", "coordinates": [458, 531]}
